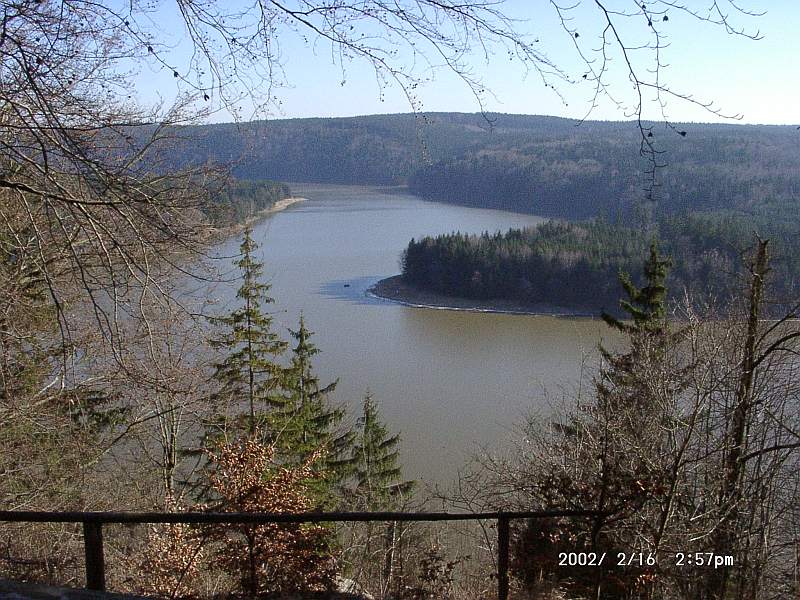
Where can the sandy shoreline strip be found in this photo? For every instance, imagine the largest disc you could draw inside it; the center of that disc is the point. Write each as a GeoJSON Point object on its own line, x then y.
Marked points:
{"type": "Point", "coordinates": [275, 208]}
{"type": "Point", "coordinates": [394, 289]}
{"type": "Point", "coordinates": [282, 205]}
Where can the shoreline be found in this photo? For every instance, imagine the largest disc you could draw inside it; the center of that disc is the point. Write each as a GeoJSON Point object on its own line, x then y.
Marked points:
{"type": "Point", "coordinates": [282, 205]}
{"type": "Point", "coordinates": [395, 290]}
{"type": "Point", "coordinates": [279, 206]}
{"type": "Point", "coordinates": [275, 208]}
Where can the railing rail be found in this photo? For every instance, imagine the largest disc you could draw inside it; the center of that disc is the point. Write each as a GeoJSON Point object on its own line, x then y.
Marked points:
{"type": "Point", "coordinates": [93, 528]}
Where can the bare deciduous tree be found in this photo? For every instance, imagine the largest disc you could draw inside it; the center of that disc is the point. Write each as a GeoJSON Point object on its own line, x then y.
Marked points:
{"type": "Point", "coordinates": [690, 453]}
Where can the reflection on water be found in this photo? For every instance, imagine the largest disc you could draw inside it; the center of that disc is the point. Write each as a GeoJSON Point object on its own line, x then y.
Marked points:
{"type": "Point", "coordinates": [352, 290]}
{"type": "Point", "coordinates": [450, 382]}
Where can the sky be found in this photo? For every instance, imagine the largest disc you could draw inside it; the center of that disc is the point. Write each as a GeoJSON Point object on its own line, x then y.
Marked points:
{"type": "Point", "coordinates": [753, 80]}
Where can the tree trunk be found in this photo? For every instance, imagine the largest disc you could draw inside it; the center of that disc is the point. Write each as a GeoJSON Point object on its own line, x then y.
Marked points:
{"type": "Point", "coordinates": [391, 543]}
{"type": "Point", "coordinates": [733, 467]}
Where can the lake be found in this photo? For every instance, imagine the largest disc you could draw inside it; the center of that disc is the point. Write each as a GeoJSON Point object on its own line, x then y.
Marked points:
{"type": "Point", "coordinates": [451, 382]}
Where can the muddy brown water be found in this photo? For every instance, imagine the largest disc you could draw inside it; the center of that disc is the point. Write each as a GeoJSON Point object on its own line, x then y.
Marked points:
{"type": "Point", "coordinates": [451, 382]}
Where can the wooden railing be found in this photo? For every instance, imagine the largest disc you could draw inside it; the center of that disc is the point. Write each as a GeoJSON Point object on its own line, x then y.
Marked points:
{"type": "Point", "coordinates": [93, 528]}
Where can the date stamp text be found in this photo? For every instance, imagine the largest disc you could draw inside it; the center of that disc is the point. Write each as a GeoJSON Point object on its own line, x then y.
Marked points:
{"type": "Point", "coordinates": [644, 559]}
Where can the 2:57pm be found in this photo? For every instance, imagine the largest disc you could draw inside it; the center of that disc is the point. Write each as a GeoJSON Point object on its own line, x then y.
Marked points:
{"type": "Point", "coordinates": [703, 559]}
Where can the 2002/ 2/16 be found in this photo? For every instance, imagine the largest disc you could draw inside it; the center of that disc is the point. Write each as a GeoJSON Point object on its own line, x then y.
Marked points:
{"type": "Point", "coordinates": [593, 559]}
{"type": "Point", "coordinates": [641, 559]}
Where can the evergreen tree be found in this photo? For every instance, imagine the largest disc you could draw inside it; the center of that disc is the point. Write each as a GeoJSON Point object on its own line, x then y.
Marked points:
{"type": "Point", "coordinates": [303, 422]}
{"type": "Point", "coordinates": [378, 485]}
{"type": "Point", "coordinates": [376, 468]}
{"type": "Point", "coordinates": [628, 376]}
{"type": "Point", "coordinates": [249, 372]}
{"type": "Point", "coordinates": [646, 306]}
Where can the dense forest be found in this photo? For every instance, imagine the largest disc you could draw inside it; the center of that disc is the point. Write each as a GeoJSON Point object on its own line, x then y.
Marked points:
{"type": "Point", "coordinates": [576, 265]}
{"type": "Point", "coordinates": [541, 165]}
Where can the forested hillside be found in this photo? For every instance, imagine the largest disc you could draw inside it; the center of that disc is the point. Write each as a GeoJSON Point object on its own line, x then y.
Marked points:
{"type": "Point", "coordinates": [721, 184]}
{"type": "Point", "coordinates": [542, 165]}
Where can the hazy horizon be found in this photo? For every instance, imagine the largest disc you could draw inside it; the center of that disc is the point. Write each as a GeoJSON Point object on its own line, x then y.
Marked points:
{"type": "Point", "coordinates": [500, 114]}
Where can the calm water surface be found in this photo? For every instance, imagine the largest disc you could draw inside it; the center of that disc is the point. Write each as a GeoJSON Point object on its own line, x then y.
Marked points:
{"type": "Point", "coordinates": [451, 382]}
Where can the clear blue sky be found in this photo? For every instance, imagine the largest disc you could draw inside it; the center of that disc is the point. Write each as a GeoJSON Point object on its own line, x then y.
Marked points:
{"type": "Point", "coordinates": [757, 79]}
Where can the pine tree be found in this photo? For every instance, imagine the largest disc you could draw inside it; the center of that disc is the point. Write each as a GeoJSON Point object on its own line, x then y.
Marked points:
{"type": "Point", "coordinates": [378, 485]}
{"type": "Point", "coordinates": [625, 380]}
{"type": "Point", "coordinates": [376, 468]}
{"type": "Point", "coordinates": [303, 422]}
{"type": "Point", "coordinates": [633, 409]}
{"type": "Point", "coordinates": [646, 306]}
{"type": "Point", "coordinates": [250, 371]}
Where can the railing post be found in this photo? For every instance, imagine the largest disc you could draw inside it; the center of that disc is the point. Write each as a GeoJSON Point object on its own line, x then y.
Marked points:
{"type": "Point", "coordinates": [95, 563]}
{"type": "Point", "coordinates": [502, 557]}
